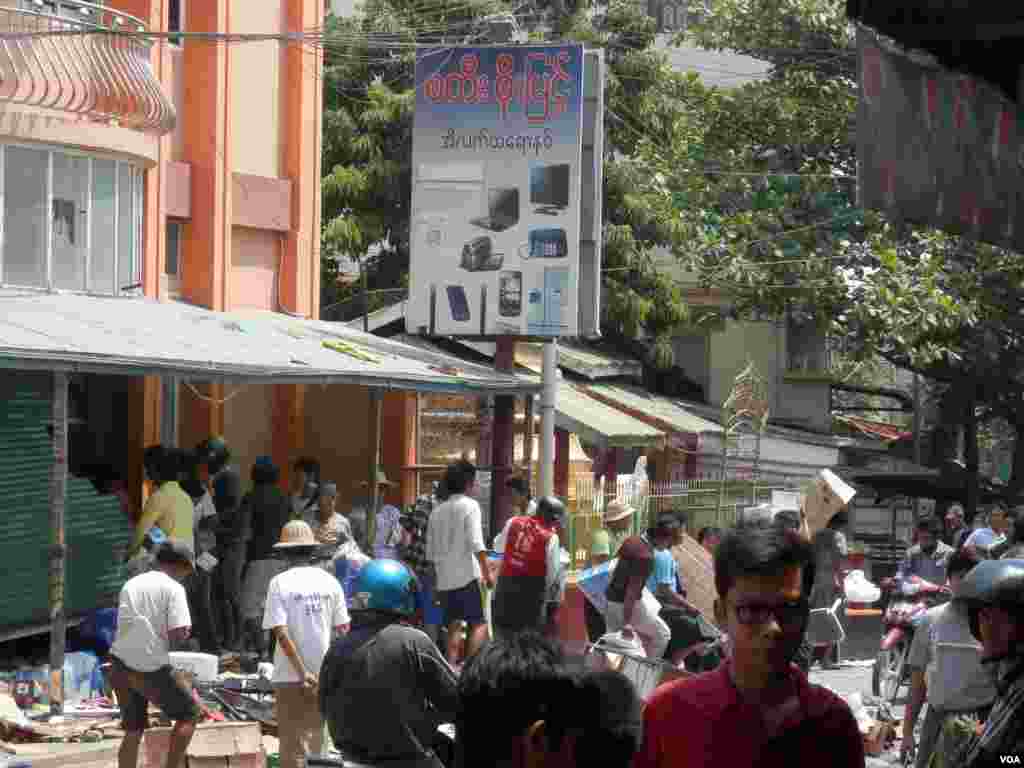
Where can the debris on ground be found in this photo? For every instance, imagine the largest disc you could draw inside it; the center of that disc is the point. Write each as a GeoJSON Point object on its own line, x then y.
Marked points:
{"type": "Point", "coordinates": [877, 725]}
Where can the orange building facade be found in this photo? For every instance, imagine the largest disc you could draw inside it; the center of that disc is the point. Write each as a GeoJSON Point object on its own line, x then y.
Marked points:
{"type": "Point", "coordinates": [180, 167]}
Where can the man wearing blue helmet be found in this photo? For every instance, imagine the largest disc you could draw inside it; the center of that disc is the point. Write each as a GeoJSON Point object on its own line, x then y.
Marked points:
{"type": "Point", "coordinates": [385, 687]}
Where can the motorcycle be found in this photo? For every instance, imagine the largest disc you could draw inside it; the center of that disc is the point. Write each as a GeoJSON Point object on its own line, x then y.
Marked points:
{"type": "Point", "coordinates": [907, 605]}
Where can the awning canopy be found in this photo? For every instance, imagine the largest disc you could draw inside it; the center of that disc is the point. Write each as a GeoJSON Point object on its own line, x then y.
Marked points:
{"type": "Point", "coordinates": [134, 336]}
{"type": "Point", "coordinates": [980, 37]}
{"type": "Point", "coordinates": [926, 485]}
{"type": "Point", "coordinates": [593, 421]}
{"type": "Point", "coordinates": [600, 424]}
{"type": "Point", "coordinates": [937, 148]}
{"type": "Point", "coordinates": [656, 407]}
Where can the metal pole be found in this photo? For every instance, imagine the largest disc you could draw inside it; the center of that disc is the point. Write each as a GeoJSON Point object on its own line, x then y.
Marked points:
{"type": "Point", "coordinates": [917, 436]}
{"type": "Point", "coordinates": [549, 380]}
{"type": "Point", "coordinates": [376, 400]}
{"type": "Point", "coordinates": [366, 296]}
{"type": "Point", "coordinates": [58, 551]}
{"type": "Point", "coordinates": [528, 438]}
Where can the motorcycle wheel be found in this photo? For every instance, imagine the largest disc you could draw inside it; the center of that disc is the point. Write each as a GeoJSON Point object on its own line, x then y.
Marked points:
{"type": "Point", "coordinates": [887, 675]}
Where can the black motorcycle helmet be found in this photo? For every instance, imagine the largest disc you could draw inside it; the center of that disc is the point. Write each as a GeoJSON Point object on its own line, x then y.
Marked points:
{"type": "Point", "coordinates": [992, 582]}
{"type": "Point", "coordinates": [551, 510]}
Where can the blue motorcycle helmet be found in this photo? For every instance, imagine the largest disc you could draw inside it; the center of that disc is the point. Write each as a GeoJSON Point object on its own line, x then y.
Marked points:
{"type": "Point", "coordinates": [388, 586]}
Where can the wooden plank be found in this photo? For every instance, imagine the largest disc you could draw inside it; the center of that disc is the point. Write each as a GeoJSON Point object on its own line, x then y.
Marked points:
{"type": "Point", "coordinates": [697, 570]}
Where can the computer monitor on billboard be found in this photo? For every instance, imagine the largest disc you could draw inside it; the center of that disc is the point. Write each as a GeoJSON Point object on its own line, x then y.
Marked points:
{"type": "Point", "coordinates": [549, 188]}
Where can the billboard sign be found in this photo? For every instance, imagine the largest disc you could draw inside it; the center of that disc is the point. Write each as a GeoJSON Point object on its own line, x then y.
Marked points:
{"type": "Point", "coordinates": [495, 225]}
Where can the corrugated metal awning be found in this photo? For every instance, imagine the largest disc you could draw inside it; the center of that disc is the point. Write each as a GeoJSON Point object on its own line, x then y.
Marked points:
{"type": "Point", "coordinates": [598, 423]}
{"type": "Point", "coordinates": [656, 407]}
{"type": "Point", "coordinates": [132, 336]}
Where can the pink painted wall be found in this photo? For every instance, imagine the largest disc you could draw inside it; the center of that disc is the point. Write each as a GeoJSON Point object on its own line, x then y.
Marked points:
{"type": "Point", "coordinates": [178, 190]}
{"type": "Point", "coordinates": [255, 259]}
{"type": "Point", "coordinates": [261, 202]}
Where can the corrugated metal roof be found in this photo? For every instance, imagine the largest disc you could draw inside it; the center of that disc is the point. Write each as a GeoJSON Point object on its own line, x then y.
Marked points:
{"type": "Point", "coordinates": [656, 406]}
{"type": "Point", "coordinates": [134, 336]}
{"type": "Point", "coordinates": [598, 423]}
{"type": "Point", "coordinates": [595, 422]}
{"type": "Point", "coordinates": [584, 361]}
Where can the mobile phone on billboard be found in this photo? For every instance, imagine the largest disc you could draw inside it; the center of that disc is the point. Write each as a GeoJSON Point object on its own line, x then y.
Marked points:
{"type": "Point", "coordinates": [458, 303]}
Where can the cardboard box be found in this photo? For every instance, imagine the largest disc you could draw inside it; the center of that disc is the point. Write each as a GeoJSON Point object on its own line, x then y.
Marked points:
{"type": "Point", "coordinates": [698, 574]}
{"type": "Point", "coordinates": [215, 745]}
{"type": "Point", "coordinates": [877, 737]}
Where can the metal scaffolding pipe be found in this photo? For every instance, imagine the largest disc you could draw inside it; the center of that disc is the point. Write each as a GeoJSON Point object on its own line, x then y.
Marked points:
{"type": "Point", "coordinates": [548, 396]}
{"type": "Point", "coordinates": [58, 550]}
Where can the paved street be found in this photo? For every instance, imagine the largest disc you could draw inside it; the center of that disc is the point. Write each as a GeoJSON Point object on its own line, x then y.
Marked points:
{"type": "Point", "coordinates": [854, 676]}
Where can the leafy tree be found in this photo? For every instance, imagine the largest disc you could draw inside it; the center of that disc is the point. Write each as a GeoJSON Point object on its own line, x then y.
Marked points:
{"type": "Point", "coordinates": [764, 208]}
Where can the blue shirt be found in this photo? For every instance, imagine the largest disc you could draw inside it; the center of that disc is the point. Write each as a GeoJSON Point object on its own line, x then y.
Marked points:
{"type": "Point", "coordinates": [665, 571]}
{"type": "Point", "coordinates": [983, 538]}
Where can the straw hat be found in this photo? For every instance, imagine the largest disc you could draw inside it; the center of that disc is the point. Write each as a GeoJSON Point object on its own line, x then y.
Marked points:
{"type": "Point", "coordinates": [296, 534]}
{"type": "Point", "coordinates": [617, 510]}
{"type": "Point", "coordinates": [382, 479]}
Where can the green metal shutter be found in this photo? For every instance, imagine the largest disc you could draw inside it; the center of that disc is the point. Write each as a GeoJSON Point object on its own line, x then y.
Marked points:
{"type": "Point", "coordinates": [26, 458]}
{"type": "Point", "coordinates": [98, 534]}
{"type": "Point", "coordinates": [95, 528]}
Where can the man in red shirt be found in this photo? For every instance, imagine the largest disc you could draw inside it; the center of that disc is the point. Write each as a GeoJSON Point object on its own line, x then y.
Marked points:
{"type": "Point", "coordinates": [757, 708]}
{"type": "Point", "coordinates": [529, 567]}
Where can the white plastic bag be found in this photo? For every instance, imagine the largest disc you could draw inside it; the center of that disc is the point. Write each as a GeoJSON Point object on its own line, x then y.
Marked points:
{"type": "Point", "coordinates": [859, 590]}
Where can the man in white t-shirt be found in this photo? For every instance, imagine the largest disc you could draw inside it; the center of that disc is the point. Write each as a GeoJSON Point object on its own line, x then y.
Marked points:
{"type": "Point", "coordinates": [153, 616]}
{"type": "Point", "coordinates": [305, 605]}
{"type": "Point", "coordinates": [455, 544]}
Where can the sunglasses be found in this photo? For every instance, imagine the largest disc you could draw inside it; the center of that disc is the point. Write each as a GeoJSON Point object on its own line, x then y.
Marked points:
{"type": "Point", "coordinates": [788, 614]}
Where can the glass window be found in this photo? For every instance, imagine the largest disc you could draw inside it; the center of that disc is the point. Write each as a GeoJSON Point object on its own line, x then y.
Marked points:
{"type": "Point", "coordinates": [172, 260]}
{"type": "Point", "coordinates": [70, 201]}
{"type": "Point", "coordinates": [104, 222]}
{"type": "Point", "coordinates": [24, 257]}
{"type": "Point", "coordinates": [126, 257]}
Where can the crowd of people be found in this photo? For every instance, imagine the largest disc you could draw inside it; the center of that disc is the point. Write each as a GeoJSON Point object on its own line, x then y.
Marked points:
{"type": "Point", "coordinates": [198, 497]}
{"type": "Point", "coordinates": [968, 670]}
{"type": "Point", "coordinates": [360, 662]}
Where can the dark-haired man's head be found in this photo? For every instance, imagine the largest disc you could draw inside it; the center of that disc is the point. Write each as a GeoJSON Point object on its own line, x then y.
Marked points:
{"type": "Point", "coordinates": [959, 565]}
{"type": "Point", "coordinates": [520, 491]}
{"type": "Point", "coordinates": [265, 471]}
{"type": "Point", "coordinates": [928, 531]}
{"type": "Point", "coordinates": [954, 518]}
{"type": "Point", "coordinates": [761, 578]}
{"type": "Point", "coordinates": [610, 714]}
{"type": "Point", "coordinates": [305, 470]}
{"type": "Point", "coordinates": [151, 459]}
{"type": "Point", "coordinates": [460, 477]}
{"type": "Point", "coordinates": [999, 518]}
{"type": "Point", "coordinates": [666, 532]}
{"type": "Point", "coordinates": [164, 464]}
{"type": "Point", "coordinates": [176, 558]}
{"type": "Point", "coordinates": [520, 707]}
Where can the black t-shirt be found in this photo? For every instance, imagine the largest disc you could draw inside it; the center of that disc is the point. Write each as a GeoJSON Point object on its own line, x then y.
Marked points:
{"type": "Point", "coordinates": [636, 561]}
{"type": "Point", "coordinates": [381, 682]}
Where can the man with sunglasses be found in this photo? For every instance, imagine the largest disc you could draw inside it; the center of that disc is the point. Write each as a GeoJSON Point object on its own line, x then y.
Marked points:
{"type": "Point", "coordinates": [757, 708]}
{"type": "Point", "coordinates": [993, 593]}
